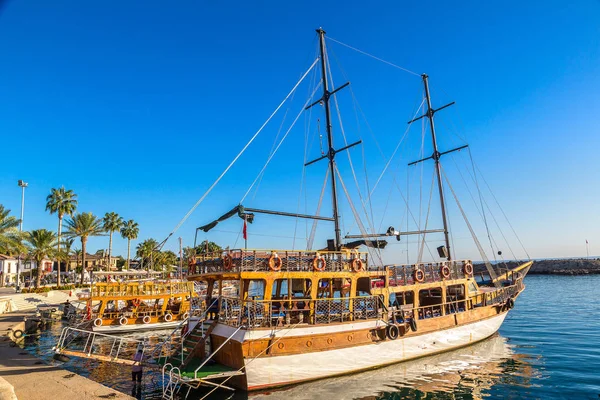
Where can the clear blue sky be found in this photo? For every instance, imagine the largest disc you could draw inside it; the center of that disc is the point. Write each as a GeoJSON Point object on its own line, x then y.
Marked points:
{"type": "Point", "coordinates": [138, 106]}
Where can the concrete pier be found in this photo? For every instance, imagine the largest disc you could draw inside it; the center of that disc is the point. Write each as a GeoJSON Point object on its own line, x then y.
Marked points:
{"type": "Point", "coordinates": [33, 379]}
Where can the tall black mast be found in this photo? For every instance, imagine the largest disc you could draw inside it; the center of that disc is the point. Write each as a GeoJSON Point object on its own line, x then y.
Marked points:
{"type": "Point", "coordinates": [436, 157]}
{"type": "Point", "coordinates": [331, 151]}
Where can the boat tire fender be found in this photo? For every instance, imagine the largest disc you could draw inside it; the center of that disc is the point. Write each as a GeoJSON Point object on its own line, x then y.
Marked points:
{"type": "Point", "coordinates": [168, 317]}
{"type": "Point", "coordinates": [18, 333]}
{"type": "Point", "coordinates": [186, 315]}
{"type": "Point", "coordinates": [98, 322]}
{"type": "Point", "coordinates": [146, 319]}
{"type": "Point", "coordinates": [392, 332]}
{"type": "Point", "coordinates": [510, 303]}
{"type": "Point", "coordinates": [123, 321]}
{"type": "Point", "coordinates": [413, 325]}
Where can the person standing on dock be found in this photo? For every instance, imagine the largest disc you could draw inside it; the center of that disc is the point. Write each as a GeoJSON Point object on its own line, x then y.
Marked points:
{"type": "Point", "coordinates": [136, 368]}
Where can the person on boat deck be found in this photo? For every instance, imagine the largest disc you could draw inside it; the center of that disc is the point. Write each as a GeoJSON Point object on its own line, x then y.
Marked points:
{"type": "Point", "coordinates": [136, 368]}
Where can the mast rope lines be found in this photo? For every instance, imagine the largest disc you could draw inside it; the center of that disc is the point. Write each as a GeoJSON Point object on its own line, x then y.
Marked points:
{"type": "Point", "coordinates": [488, 265]}
{"type": "Point", "coordinates": [238, 156]}
{"type": "Point", "coordinates": [279, 144]}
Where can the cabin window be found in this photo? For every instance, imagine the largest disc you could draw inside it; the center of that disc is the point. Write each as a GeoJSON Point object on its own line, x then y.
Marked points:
{"type": "Point", "coordinates": [254, 289]}
{"type": "Point", "coordinates": [430, 303]}
{"type": "Point", "coordinates": [230, 288]}
{"type": "Point", "coordinates": [402, 299]}
{"type": "Point", "coordinates": [291, 288]}
{"type": "Point", "coordinates": [363, 286]}
{"type": "Point", "coordinates": [334, 288]}
{"type": "Point", "coordinates": [455, 299]}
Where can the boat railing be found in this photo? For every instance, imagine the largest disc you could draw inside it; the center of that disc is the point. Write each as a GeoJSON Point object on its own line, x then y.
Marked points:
{"type": "Point", "coordinates": [285, 312]}
{"type": "Point", "coordinates": [402, 275]}
{"type": "Point", "coordinates": [128, 289]}
{"type": "Point", "coordinates": [277, 260]}
{"type": "Point", "coordinates": [88, 344]}
{"type": "Point", "coordinates": [498, 296]}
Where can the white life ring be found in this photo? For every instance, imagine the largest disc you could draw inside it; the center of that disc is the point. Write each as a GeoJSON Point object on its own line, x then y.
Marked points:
{"type": "Point", "coordinates": [98, 322]}
{"type": "Point", "coordinates": [146, 319]}
{"type": "Point", "coordinates": [185, 315]}
{"type": "Point", "coordinates": [168, 317]}
{"type": "Point", "coordinates": [123, 321]}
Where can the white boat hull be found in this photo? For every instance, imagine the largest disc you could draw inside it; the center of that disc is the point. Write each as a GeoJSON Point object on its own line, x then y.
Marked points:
{"type": "Point", "coordinates": [266, 372]}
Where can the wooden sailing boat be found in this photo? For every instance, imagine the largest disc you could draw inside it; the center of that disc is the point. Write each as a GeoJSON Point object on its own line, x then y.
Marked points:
{"type": "Point", "coordinates": [323, 313]}
{"type": "Point", "coordinates": [306, 315]}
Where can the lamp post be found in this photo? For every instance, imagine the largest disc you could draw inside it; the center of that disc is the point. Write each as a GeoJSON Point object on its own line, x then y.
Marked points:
{"type": "Point", "coordinates": [23, 185]}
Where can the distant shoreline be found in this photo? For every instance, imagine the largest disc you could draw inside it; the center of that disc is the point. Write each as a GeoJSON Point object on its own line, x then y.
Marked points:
{"type": "Point", "coordinates": [564, 266]}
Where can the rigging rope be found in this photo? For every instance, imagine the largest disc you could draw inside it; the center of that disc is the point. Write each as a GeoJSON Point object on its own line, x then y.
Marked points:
{"type": "Point", "coordinates": [313, 230]}
{"type": "Point", "coordinates": [372, 56]}
{"type": "Point", "coordinates": [238, 156]}
{"type": "Point", "coordinates": [420, 258]}
{"type": "Point", "coordinates": [279, 145]}
{"type": "Point", "coordinates": [489, 267]}
{"type": "Point", "coordinates": [396, 149]}
{"type": "Point", "coordinates": [356, 216]}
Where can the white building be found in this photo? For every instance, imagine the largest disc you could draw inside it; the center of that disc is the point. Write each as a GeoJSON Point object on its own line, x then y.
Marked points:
{"type": "Point", "coordinates": [8, 269]}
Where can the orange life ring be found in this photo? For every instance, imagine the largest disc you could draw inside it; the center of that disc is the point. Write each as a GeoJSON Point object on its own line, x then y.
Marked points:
{"type": "Point", "coordinates": [468, 268]}
{"type": "Point", "coordinates": [135, 302]}
{"type": "Point", "coordinates": [445, 271]}
{"type": "Point", "coordinates": [227, 262]}
{"type": "Point", "coordinates": [275, 262]}
{"type": "Point", "coordinates": [357, 265]}
{"type": "Point", "coordinates": [419, 275]}
{"type": "Point", "coordinates": [319, 263]}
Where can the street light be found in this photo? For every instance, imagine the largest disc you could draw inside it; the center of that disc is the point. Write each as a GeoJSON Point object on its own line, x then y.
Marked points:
{"type": "Point", "coordinates": [23, 185]}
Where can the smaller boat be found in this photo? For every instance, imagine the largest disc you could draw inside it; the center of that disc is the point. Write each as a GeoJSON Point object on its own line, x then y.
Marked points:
{"type": "Point", "coordinates": [138, 305]}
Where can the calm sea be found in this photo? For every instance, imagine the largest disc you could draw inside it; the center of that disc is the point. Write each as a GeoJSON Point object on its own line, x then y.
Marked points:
{"type": "Point", "coordinates": [548, 348]}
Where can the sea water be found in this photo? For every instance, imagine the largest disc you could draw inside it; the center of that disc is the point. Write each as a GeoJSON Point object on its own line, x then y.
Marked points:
{"type": "Point", "coordinates": [547, 348]}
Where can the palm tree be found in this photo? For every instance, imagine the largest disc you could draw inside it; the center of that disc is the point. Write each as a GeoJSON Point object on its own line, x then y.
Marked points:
{"type": "Point", "coordinates": [129, 231]}
{"type": "Point", "coordinates": [10, 237]}
{"type": "Point", "coordinates": [145, 251]}
{"type": "Point", "coordinates": [77, 254]}
{"type": "Point", "coordinates": [84, 225]}
{"type": "Point", "coordinates": [41, 245]}
{"type": "Point", "coordinates": [61, 202]}
{"type": "Point", "coordinates": [112, 222]}
{"type": "Point", "coordinates": [208, 247]}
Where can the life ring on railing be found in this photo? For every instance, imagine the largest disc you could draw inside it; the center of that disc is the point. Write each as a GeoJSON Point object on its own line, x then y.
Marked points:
{"type": "Point", "coordinates": [392, 332]}
{"type": "Point", "coordinates": [185, 315]}
{"type": "Point", "coordinates": [123, 321]}
{"type": "Point", "coordinates": [98, 322]}
{"type": "Point", "coordinates": [319, 263]}
{"type": "Point", "coordinates": [468, 268]}
{"type": "Point", "coordinates": [227, 262]}
{"type": "Point", "coordinates": [419, 275]}
{"type": "Point", "coordinates": [445, 271]}
{"type": "Point", "coordinates": [168, 317]}
{"type": "Point", "coordinates": [275, 262]}
{"type": "Point", "coordinates": [357, 265]}
{"type": "Point", "coordinates": [146, 319]}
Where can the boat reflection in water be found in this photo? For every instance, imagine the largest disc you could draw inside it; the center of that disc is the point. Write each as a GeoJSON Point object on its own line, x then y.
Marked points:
{"type": "Point", "coordinates": [470, 372]}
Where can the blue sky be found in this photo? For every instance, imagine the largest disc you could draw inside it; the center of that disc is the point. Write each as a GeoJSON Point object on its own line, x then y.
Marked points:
{"type": "Point", "coordinates": [138, 107]}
